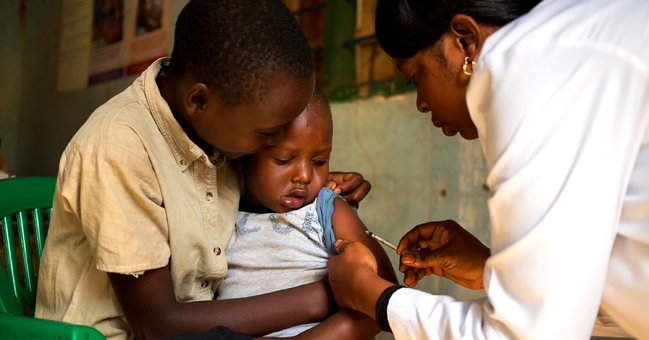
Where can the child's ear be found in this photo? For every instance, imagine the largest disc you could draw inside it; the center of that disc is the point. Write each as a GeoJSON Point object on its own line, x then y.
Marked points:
{"type": "Point", "coordinates": [197, 99]}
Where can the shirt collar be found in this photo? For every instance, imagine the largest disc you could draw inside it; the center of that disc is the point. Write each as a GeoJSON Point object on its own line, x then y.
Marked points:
{"type": "Point", "coordinates": [183, 149]}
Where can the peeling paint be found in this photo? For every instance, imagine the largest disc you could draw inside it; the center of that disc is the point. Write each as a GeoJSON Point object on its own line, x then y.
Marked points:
{"type": "Point", "coordinates": [441, 192]}
{"type": "Point", "coordinates": [399, 97]}
{"type": "Point", "coordinates": [363, 91]}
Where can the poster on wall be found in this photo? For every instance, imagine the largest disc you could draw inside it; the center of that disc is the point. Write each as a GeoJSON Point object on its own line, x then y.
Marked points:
{"type": "Point", "coordinates": [148, 33]}
{"type": "Point", "coordinates": [74, 53]}
{"type": "Point", "coordinates": [107, 45]}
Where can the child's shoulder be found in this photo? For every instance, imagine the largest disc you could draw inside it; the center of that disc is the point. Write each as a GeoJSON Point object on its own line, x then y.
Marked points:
{"type": "Point", "coordinates": [338, 218]}
{"type": "Point", "coordinates": [328, 200]}
{"type": "Point", "coordinates": [328, 196]}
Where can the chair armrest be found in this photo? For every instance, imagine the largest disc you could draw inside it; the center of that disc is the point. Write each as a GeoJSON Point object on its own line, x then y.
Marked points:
{"type": "Point", "coordinates": [24, 327]}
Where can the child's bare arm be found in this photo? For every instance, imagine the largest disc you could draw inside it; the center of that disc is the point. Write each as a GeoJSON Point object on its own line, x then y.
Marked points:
{"type": "Point", "coordinates": [348, 324]}
{"type": "Point", "coordinates": [348, 226]}
{"type": "Point", "coordinates": [151, 309]}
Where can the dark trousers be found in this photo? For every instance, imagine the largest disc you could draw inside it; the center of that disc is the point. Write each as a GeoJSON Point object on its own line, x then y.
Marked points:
{"type": "Point", "coordinates": [216, 333]}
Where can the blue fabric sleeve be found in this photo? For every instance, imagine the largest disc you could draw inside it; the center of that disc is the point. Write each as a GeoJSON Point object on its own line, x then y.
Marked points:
{"type": "Point", "coordinates": [325, 208]}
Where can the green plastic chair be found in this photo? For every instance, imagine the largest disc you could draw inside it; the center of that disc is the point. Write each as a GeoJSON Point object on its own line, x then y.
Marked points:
{"type": "Point", "coordinates": [20, 196]}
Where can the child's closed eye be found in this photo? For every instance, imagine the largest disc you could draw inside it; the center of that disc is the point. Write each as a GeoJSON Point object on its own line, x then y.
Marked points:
{"type": "Point", "coordinates": [283, 161]}
{"type": "Point", "coordinates": [320, 162]}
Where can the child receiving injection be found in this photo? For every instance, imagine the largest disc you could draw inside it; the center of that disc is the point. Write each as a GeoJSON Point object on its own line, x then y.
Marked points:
{"type": "Point", "coordinates": [288, 222]}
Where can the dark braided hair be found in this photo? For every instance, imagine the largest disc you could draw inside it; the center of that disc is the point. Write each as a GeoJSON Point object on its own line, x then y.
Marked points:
{"type": "Point", "coordinates": [236, 46]}
{"type": "Point", "coordinates": [404, 27]}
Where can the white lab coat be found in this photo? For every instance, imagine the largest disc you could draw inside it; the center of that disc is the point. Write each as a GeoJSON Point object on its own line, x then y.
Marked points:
{"type": "Point", "coordinates": [560, 98]}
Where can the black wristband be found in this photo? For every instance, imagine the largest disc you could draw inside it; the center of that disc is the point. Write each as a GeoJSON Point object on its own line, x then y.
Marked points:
{"type": "Point", "coordinates": [382, 307]}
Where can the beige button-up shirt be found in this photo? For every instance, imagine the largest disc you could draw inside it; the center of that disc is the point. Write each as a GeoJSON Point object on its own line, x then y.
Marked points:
{"type": "Point", "coordinates": [133, 192]}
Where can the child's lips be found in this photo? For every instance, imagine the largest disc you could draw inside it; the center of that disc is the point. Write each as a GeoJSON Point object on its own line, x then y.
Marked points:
{"type": "Point", "coordinates": [294, 199]}
{"type": "Point", "coordinates": [293, 202]}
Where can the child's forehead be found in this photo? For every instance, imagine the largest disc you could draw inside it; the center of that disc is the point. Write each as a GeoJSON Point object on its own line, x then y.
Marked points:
{"type": "Point", "coordinates": [312, 129]}
{"type": "Point", "coordinates": [317, 113]}
{"type": "Point", "coordinates": [310, 137]}
{"type": "Point", "coordinates": [310, 126]}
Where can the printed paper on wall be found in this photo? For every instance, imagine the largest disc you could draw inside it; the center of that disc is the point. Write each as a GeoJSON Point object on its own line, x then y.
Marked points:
{"type": "Point", "coordinates": [148, 33]}
{"type": "Point", "coordinates": [107, 47]}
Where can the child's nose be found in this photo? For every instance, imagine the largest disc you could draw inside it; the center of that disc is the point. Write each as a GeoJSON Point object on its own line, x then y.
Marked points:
{"type": "Point", "coordinates": [304, 173]}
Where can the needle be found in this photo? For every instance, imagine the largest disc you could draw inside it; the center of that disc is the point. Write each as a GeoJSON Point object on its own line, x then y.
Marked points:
{"type": "Point", "coordinates": [380, 239]}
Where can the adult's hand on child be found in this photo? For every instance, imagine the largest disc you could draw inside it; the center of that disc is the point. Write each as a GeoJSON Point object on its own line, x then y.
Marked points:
{"type": "Point", "coordinates": [445, 249]}
{"type": "Point", "coordinates": [353, 277]}
{"type": "Point", "coordinates": [351, 185]}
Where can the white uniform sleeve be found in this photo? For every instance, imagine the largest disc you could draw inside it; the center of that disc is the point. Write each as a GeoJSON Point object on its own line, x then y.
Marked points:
{"type": "Point", "coordinates": [560, 127]}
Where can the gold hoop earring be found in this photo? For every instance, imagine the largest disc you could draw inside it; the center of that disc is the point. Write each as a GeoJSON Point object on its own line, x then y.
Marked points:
{"type": "Point", "coordinates": [466, 64]}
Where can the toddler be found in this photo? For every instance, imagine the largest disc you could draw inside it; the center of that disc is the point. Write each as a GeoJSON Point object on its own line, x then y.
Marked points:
{"type": "Point", "coordinates": [288, 222]}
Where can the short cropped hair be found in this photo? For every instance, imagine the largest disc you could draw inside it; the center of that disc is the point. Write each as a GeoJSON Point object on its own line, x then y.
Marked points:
{"type": "Point", "coordinates": [319, 99]}
{"type": "Point", "coordinates": [404, 27]}
{"type": "Point", "coordinates": [236, 46]}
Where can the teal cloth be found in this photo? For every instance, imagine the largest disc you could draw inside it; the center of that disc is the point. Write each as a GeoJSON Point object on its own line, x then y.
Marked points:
{"type": "Point", "coordinates": [325, 208]}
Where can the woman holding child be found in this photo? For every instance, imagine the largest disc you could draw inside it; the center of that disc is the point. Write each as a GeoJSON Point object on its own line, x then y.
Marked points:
{"type": "Point", "coordinates": [557, 93]}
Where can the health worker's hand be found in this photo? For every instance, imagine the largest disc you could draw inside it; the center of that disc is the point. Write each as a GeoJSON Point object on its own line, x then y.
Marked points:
{"type": "Point", "coordinates": [351, 185]}
{"type": "Point", "coordinates": [353, 277]}
{"type": "Point", "coordinates": [445, 249]}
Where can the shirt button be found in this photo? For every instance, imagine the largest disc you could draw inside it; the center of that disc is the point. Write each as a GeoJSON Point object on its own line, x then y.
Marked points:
{"type": "Point", "coordinates": [217, 250]}
{"type": "Point", "coordinates": [208, 196]}
{"type": "Point", "coordinates": [183, 162]}
{"type": "Point", "coordinates": [205, 284]}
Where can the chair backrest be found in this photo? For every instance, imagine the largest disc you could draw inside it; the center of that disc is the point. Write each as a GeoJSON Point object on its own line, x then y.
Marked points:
{"type": "Point", "coordinates": [20, 196]}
